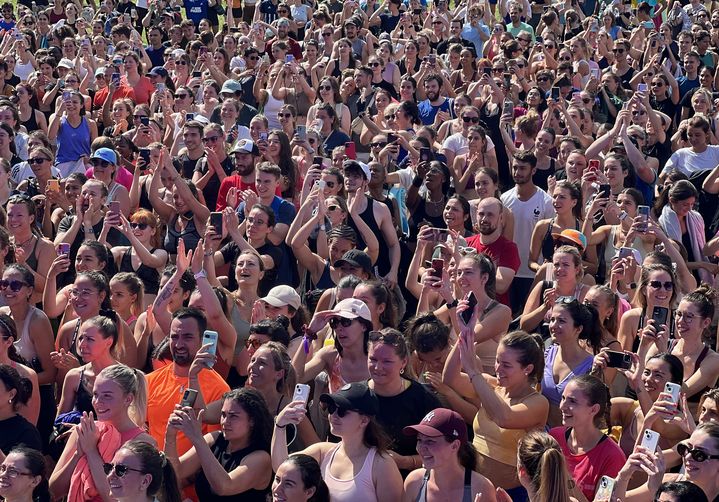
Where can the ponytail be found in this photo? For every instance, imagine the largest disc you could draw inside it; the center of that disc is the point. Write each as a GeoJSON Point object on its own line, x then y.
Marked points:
{"type": "Point", "coordinates": [553, 481]}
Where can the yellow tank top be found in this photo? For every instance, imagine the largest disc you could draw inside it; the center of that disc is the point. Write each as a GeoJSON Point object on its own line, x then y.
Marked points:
{"type": "Point", "coordinates": [495, 442]}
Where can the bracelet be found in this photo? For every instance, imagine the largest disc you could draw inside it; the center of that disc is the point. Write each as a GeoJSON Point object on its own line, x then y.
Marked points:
{"type": "Point", "coordinates": [207, 254]}
{"type": "Point", "coordinates": [453, 304]}
{"type": "Point", "coordinates": [89, 231]}
{"type": "Point", "coordinates": [472, 376]}
{"type": "Point", "coordinates": [278, 425]}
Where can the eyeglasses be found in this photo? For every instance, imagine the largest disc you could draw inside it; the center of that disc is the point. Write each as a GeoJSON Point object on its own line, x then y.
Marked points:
{"type": "Point", "coordinates": [618, 51]}
{"type": "Point", "coordinates": [657, 84]}
{"type": "Point", "coordinates": [668, 285]}
{"type": "Point", "coordinates": [13, 285]}
{"type": "Point", "coordinates": [342, 321]}
{"type": "Point", "coordinates": [99, 163]}
{"type": "Point", "coordinates": [327, 34]}
{"type": "Point", "coordinates": [37, 160]}
{"type": "Point", "coordinates": [211, 139]}
{"type": "Point", "coordinates": [390, 116]}
{"type": "Point", "coordinates": [388, 338]}
{"type": "Point", "coordinates": [331, 408]}
{"type": "Point", "coordinates": [325, 88]}
{"type": "Point", "coordinates": [542, 79]}
{"type": "Point", "coordinates": [467, 120]}
{"type": "Point", "coordinates": [141, 226]}
{"type": "Point", "coordinates": [696, 454]}
{"type": "Point", "coordinates": [284, 115]}
{"type": "Point", "coordinates": [378, 144]}
{"type": "Point", "coordinates": [180, 96]}
{"type": "Point", "coordinates": [181, 63]}
{"type": "Point", "coordinates": [84, 293]}
{"type": "Point", "coordinates": [375, 64]}
{"type": "Point", "coordinates": [120, 469]}
{"type": "Point", "coordinates": [13, 473]}
{"type": "Point", "coordinates": [255, 344]}
{"type": "Point", "coordinates": [252, 58]}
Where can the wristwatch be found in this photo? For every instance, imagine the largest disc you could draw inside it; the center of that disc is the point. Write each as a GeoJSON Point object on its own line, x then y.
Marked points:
{"type": "Point", "coordinates": [453, 304]}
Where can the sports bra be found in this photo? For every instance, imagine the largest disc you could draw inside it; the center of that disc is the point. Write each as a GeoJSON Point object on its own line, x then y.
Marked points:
{"type": "Point", "coordinates": [360, 487]}
{"type": "Point", "coordinates": [31, 123]}
{"type": "Point", "coordinates": [694, 398]}
{"type": "Point", "coordinates": [189, 234]}
{"type": "Point", "coordinates": [466, 496]}
{"type": "Point", "coordinates": [73, 341]}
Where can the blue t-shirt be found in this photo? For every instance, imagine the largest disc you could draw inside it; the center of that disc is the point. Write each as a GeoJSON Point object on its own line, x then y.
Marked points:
{"type": "Point", "coordinates": [686, 85]}
{"type": "Point", "coordinates": [389, 22]}
{"type": "Point", "coordinates": [157, 56]}
{"type": "Point", "coordinates": [196, 10]}
{"type": "Point", "coordinates": [269, 11]}
{"type": "Point", "coordinates": [428, 112]}
{"type": "Point", "coordinates": [336, 138]}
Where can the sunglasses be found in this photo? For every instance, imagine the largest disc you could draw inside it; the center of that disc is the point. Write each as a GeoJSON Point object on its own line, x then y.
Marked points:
{"type": "Point", "coordinates": [542, 79]}
{"type": "Point", "coordinates": [14, 285]}
{"type": "Point", "coordinates": [696, 454]}
{"type": "Point", "coordinates": [617, 51]}
{"type": "Point", "coordinates": [378, 144]}
{"type": "Point", "coordinates": [284, 115]}
{"type": "Point", "coordinates": [586, 101]}
{"type": "Point", "coordinates": [180, 96]}
{"type": "Point", "coordinates": [252, 58]}
{"type": "Point", "coordinates": [467, 120]}
{"type": "Point", "coordinates": [141, 226]}
{"type": "Point", "coordinates": [374, 65]}
{"type": "Point", "coordinates": [342, 321]}
{"type": "Point", "coordinates": [255, 344]}
{"type": "Point", "coordinates": [37, 160]}
{"type": "Point", "coordinates": [330, 184]}
{"type": "Point", "coordinates": [333, 207]}
{"type": "Point", "coordinates": [211, 139]}
{"type": "Point", "coordinates": [120, 469]}
{"type": "Point", "coordinates": [325, 88]}
{"type": "Point", "coordinates": [668, 285]}
{"type": "Point", "coordinates": [99, 162]}
{"type": "Point", "coordinates": [181, 63]}
{"type": "Point", "coordinates": [331, 408]}
{"type": "Point", "coordinates": [390, 116]}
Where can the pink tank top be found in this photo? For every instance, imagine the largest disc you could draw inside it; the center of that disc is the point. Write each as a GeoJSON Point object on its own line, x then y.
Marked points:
{"type": "Point", "coordinates": [357, 488]}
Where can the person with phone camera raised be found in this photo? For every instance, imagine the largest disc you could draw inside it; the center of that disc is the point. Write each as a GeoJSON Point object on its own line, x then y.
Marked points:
{"type": "Point", "coordinates": [232, 462]}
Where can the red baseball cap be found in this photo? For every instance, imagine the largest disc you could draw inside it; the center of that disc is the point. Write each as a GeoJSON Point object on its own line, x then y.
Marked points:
{"type": "Point", "coordinates": [440, 422]}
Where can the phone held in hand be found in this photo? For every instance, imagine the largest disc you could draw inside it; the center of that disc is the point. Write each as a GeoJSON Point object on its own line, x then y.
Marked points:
{"type": "Point", "coordinates": [616, 359]}
{"type": "Point", "coordinates": [188, 398]}
{"type": "Point", "coordinates": [650, 440]}
{"type": "Point", "coordinates": [216, 222]}
{"type": "Point", "coordinates": [467, 314]}
{"type": "Point", "coordinates": [643, 218]}
{"type": "Point", "coordinates": [302, 393]}
{"type": "Point", "coordinates": [210, 337]}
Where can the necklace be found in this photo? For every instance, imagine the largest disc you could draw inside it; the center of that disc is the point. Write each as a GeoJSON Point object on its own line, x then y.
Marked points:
{"type": "Point", "coordinates": [435, 203]}
{"type": "Point", "coordinates": [23, 244]}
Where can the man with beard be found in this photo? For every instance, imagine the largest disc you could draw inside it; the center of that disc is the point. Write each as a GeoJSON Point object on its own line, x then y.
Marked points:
{"type": "Point", "coordinates": [185, 162]}
{"type": "Point", "coordinates": [283, 30]}
{"type": "Point", "coordinates": [435, 101]}
{"type": "Point", "coordinates": [166, 386]}
{"type": "Point", "coordinates": [244, 156]}
{"type": "Point", "coordinates": [490, 241]}
{"type": "Point", "coordinates": [529, 204]}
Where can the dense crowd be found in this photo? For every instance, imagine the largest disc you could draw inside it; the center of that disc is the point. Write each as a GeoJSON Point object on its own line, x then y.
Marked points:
{"type": "Point", "coordinates": [389, 250]}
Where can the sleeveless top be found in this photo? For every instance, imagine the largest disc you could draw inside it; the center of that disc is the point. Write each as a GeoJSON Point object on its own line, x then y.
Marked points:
{"type": "Point", "coordinates": [550, 389]}
{"type": "Point", "coordinates": [31, 123]}
{"type": "Point", "coordinates": [271, 109]}
{"type": "Point", "coordinates": [642, 318]}
{"type": "Point", "coordinates": [325, 280]}
{"type": "Point", "coordinates": [367, 216]}
{"type": "Point", "coordinates": [83, 398]}
{"type": "Point", "coordinates": [72, 142]}
{"type": "Point", "coordinates": [112, 191]}
{"type": "Point", "coordinates": [24, 345]}
{"type": "Point", "coordinates": [694, 398]}
{"type": "Point", "coordinates": [229, 461]}
{"type": "Point", "coordinates": [359, 487]}
{"type": "Point", "coordinates": [189, 235]}
{"type": "Point", "coordinates": [149, 276]}
{"type": "Point", "coordinates": [31, 261]}
{"type": "Point", "coordinates": [494, 441]}
{"type": "Point", "coordinates": [73, 341]}
{"type": "Point", "coordinates": [336, 380]}
{"type": "Point", "coordinates": [466, 496]}
{"type": "Point", "coordinates": [610, 249]}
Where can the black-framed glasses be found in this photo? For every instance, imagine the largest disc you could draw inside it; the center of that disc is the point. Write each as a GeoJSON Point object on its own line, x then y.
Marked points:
{"type": "Point", "coordinates": [37, 160]}
{"type": "Point", "coordinates": [332, 207]}
{"type": "Point", "coordinates": [255, 344]}
{"type": "Point", "coordinates": [331, 408]}
{"type": "Point", "coordinates": [140, 226]}
{"type": "Point", "coordinates": [668, 285]}
{"type": "Point", "coordinates": [120, 469]}
{"type": "Point", "coordinates": [375, 64]}
{"type": "Point", "coordinates": [330, 184]}
{"type": "Point", "coordinates": [697, 455]}
{"type": "Point", "coordinates": [341, 321]}
{"type": "Point", "coordinates": [14, 285]}
{"type": "Point", "coordinates": [211, 139]}
{"type": "Point", "coordinates": [325, 88]}
{"type": "Point", "coordinates": [99, 162]}
{"type": "Point", "coordinates": [467, 120]}
{"type": "Point", "coordinates": [378, 144]}
{"type": "Point", "coordinates": [542, 79]}
{"type": "Point", "coordinates": [13, 473]}
{"type": "Point", "coordinates": [618, 51]}
{"type": "Point", "coordinates": [285, 115]}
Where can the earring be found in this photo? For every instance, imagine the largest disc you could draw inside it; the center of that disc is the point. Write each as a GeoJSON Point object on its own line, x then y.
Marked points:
{"type": "Point", "coordinates": [9, 401]}
{"type": "Point", "coordinates": [401, 372]}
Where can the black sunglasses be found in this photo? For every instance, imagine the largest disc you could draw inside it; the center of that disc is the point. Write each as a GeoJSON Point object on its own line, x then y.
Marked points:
{"type": "Point", "coordinates": [37, 160]}
{"type": "Point", "coordinates": [696, 454]}
{"type": "Point", "coordinates": [120, 469]}
{"type": "Point", "coordinates": [474, 120]}
{"type": "Point", "coordinates": [14, 285]}
{"type": "Point", "coordinates": [99, 162]}
{"type": "Point", "coordinates": [378, 144]}
{"type": "Point", "coordinates": [343, 321]}
{"type": "Point", "coordinates": [668, 285]}
{"type": "Point", "coordinates": [331, 408]}
{"type": "Point", "coordinates": [255, 344]}
{"type": "Point", "coordinates": [141, 226]}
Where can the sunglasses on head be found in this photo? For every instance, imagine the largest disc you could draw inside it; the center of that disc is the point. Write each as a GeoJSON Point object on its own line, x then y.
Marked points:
{"type": "Point", "coordinates": [141, 226]}
{"type": "Point", "coordinates": [331, 408]}
{"type": "Point", "coordinates": [342, 321]}
{"type": "Point", "coordinates": [13, 285]}
{"type": "Point", "coordinates": [668, 285]}
{"type": "Point", "coordinates": [120, 469]}
{"type": "Point", "coordinates": [696, 454]}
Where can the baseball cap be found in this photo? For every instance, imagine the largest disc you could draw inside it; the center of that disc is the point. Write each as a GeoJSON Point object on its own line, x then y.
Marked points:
{"type": "Point", "coordinates": [356, 258]}
{"type": "Point", "coordinates": [105, 154]}
{"type": "Point", "coordinates": [158, 71]}
{"type": "Point", "coordinates": [440, 422]}
{"type": "Point", "coordinates": [352, 308]}
{"type": "Point", "coordinates": [574, 236]}
{"type": "Point", "coordinates": [282, 295]}
{"type": "Point", "coordinates": [66, 63]}
{"type": "Point", "coordinates": [354, 165]}
{"type": "Point", "coordinates": [231, 86]}
{"type": "Point", "coordinates": [246, 146]}
{"type": "Point", "coordinates": [355, 396]}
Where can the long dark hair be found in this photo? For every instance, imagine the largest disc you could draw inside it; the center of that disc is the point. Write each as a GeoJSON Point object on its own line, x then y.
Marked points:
{"type": "Point", "coordinates": [9, 330]}
{"type": "Point", "coordinates": [35, 463]}
{"type": "Point", "coordinates": [153, 462]}
{"type": "Point", "coordinates": [311, 476]}
{"type": "Point", "coordinates": [259, 416]}
{"type": "Point", "coordinates": [11, 379]}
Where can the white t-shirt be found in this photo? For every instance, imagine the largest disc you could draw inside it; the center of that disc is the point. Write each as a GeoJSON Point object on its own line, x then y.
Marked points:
{"type": "Point", "coordinates": [526, 216]}
{"type": "Point", "coordinates": [459, 145]}
{"type": "Point", "coordinates": [688, 162]}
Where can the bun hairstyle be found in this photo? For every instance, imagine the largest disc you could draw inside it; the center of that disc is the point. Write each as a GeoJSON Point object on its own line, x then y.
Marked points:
{"type": "Point", "coordinates": [275, 329]}
{"type": "Point", "coordinates": [106, 327]}
{"type": "Point", "coordinates": [586, 317]}
{"type": "Point", "coordinates": [705, 299]}
{"type": "Point", "coordinates": [486, 266]}
{"type": "Point", "coordinates": [12, 380]}
{"type": "Point", "coordinates": [426, 333]}
{"type": "Point", "coordinates": [164, 483]}
{"type": "Point", "coordinates": [530, 351]}
{"type": "Point", "coordinates": [541, 457]}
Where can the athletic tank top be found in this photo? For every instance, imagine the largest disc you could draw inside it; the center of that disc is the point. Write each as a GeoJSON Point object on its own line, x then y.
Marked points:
{"type": "Point", "coordinates": [466, 496]}
{"type": "Point", "coordinates": [357, 488]}
{"type": "Point", "coordinates": [367, 216]}
{"type": "Point", "coordinates": [271, 109]}
{"type": "Point", "coordinates": [72, 142]}
{"type": "Point", "coordinates": [31, 123]}
{"type": "Point", "coordinates": [149, 276]}
{"type": "Point", "coordinates": [24, 345]}
{"type": "Point", "coordinates": [83, 398]}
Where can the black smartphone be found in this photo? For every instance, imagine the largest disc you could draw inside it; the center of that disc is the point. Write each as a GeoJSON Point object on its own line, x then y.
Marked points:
{"type": "Point", "coordinates": [145, 121]}
{"type": "Point", "coordinates": [437, 267]}
{"type": "Point", "coordinates": [391, 138]}
{"type": "Point", "coordinates": [216, 221]}
{"type": "Point", "coordinates": [196, 74]}
{"type": "Point", "coordinates": [425, 154]}
{"type": "Point", "coordinates": [555, 93]}
{"type": "Point", "coordinates": [605, 191]}
{"type": "Point", "coordinates": [487, 70]}
{"type": "Point", "coordinates": [189, 116]}
{"type": "Point", "coordinates": [188, 398]}
{"type": "Point", "coordinates": [145, 155]}
{"type": "Point", "coordinates": [618, 360]}
{"type": "Point", "coordinates": [317, 160]}
{"type": "Point", "coordinates": [467, 314]}
{"type": "Point", "coordinates": [507, 80]}
{"type": "Point", "coordinates": [660, 316]}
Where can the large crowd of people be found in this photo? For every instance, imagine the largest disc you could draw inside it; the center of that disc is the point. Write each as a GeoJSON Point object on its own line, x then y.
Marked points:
{"type": "Point", "coordinates": [382, 250]}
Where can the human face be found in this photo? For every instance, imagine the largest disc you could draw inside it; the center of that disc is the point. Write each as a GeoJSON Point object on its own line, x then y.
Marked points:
{"type": "Point", "coordinates": [709, 411]}
{"type": "Point", "coordinates": [564, 267]}
{"type": "Point", "coordinates": [683, 207]}
{"type": "Point", "coordinates": [185, 341]}
{"type": "Point", "coordinates": [488, 217]}
{"type": "Point", "coordinates": [364, 293]}
{"type": "Point", "coordinates": [701, 472]}
{"type": "Point", "coordinates": [133, 485]}
{"type": "Point", "coordinates": [86, 260]}
{"type": "Point", "coordinates": [258, 227]}
{"type": "Point", "coordinates": [11, 297]}
{"type": "Point", "coordinates": [655, 376]}
{"type": "Point", "coordinates": [522, 172]}
{"type": "Point", "coordinates": [234, 421]}
{"type": "Point", "coordinates": [454, 215]}
{"type": "Point", "coordinates": [688, 320]}
{"type": "Point", "coordinates": [85, 298]}
{"type": "Point", "coordinates": [247, 271]}
{"type": "Point", "coordinates": [431, 90]}
{"type": "Point", "coordinates": [434, 359]}
{"type": "Point", "coordinates": [108, 399]}
{"type": "Point", "coordinates": [261, 371]}
{"type": "Point", "coordinates": [121, 298]}
{"type": "Point", "coordinates": [575, 165]}
{"type": "Point", "coordinates": [384, 364]}
{"type": "Point", "coordinates": [192, 137]}
{"type": "Point", "coordinates": [508, 369]}
{"type": "Point", "coordinates": [575, 408]}
{"type": "Point", "coordinates": [469, 118]}
{"type": "Point", "coordinates": [7, 117]}
{"type": "Point", "coordinates": [338, 247]}
{"type": "Point", "coordinates": [660, 297]}
{"type": "Point", "coordinates": [626, 203]}
{"type": "Point", "coordinates": [90, 343]}
{"type": "Point", "coordinates": [484, 185]}
{"type": "Point", "coordinates": [18, 219]}
{"type": "Point", "coordinates": [562, 326]}
{"type": "Point", "coordinates": [353, 181]}
{"type": "Point", "coordinates": [469, 276]}
{"type": "Point", "coordinates": [288, 486]}
{"type": "Point", "coordinates": [436, 450]}
{"type": "Point", "coordinates": [16, 481]}
{"type": "Point", "coordinates": [562, 201]}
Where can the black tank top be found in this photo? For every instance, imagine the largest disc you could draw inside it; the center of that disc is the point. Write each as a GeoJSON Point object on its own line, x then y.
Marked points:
{"type": "Point", "coordinates": [31, 123]}
{"type": "Point", "coordinates": [229, 461]}
{"type": "Point", "coordinates": [83, 399]}
{"type": "Point", "coordinates": [149, 276]}
{"type": "Point", "coordinates": [368, 217]}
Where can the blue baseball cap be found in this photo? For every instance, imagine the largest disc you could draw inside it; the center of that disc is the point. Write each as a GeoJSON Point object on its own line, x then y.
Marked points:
{"type": "Point", "coordinates": [105, 154]}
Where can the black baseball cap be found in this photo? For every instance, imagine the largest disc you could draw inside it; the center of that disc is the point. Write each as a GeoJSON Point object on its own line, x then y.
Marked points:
{"type": "Point", "coordinates": [356, 396]}
{"type": "Point", "coordinates": [356, 258]}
